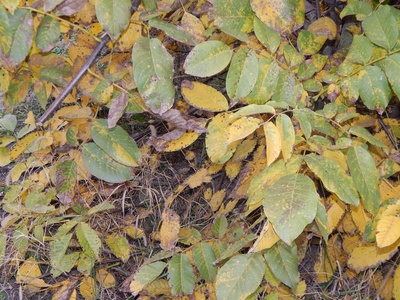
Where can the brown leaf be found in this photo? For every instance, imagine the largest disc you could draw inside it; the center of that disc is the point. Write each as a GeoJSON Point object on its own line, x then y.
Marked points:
{"type": "Point", "coordinates": [161, 142]}
{"type": "Point", "coordinates": [169, 229]}
{"type": "Point", "coordinates": [182, 121]}
{"type": "Point", "coordinates": [69, 7]}
{"type": "Point", "coordinates": [117, 109]}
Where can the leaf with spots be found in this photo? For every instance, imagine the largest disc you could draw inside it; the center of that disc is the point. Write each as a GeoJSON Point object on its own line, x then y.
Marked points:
{"type": "Point", "coordinates": [234, 17]}
{"type": "Point", "coordinates": [374, 88]}
{"type": "Point", "coordinates": [47, 34]}
{"type": "Point", "coordinates": [169, 229]}
{"type": "Point", "coordinates": [146, 275]}
{"type": "Point", "coordinates": [242, 74]}
{"type": "Point", "coordinates": [113, 16]}
{"type": "Point", "coordinates": [240, 276]}
{"type": "Point", "coordinates": [360, 50]}
{"type": "Point", "coordinates": [153, 74]}
{"type": "Point", "coordinates": [285, 128]}
{"type": "Point", "coordinates": [115, 142]}
{"type": "Point", "coordinates": [242, 128]}
{"type": "Point", "coordinates": [266, 35]}
{"type": "Point", "coordinates": [284, 16]}
{"type": "Point", "coordinates": [309, 42]}
{"type": "Point", "coordinates": [290, 204]}
{"type": "Point", "coordinates": [334, 178]}
{"type": "Point", "coordinates": [173, 31]}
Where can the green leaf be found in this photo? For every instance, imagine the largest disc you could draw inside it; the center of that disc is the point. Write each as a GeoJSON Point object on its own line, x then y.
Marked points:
{"type": "Point", "coordinates": [20, 29]}
{"type": "Point", "coordinates": [267, 80]}
{"type": "Point", "coordinates": [360, 50]}
{"type": "Point", "coordinates": [146, 275]}
{"type": "Point", "coordinates": [285, 88]}
{"type": "Point", "coordinates": [322, 220]}
{"type": "Point", "coordinates": [89, 240]}
{"type": "Point", "coordinates": [290, 204]}
{"type": "Point", "coordinates": [207, 59]}
{"type": "Point", "coordinates": [286, 130]}
{"type": "Point", "coordinates": [9, 122]}
{"type": "Point", "coordinates": [234, 17]}
{"type": "Point", "coordinates": [237, 246]}
{"type": "Point", "coordinates": [5, 32]}
{"type": "Point", "coordinates": [173, 31]}
{"type": "Point", "coordinates": [284, 16]}
{"type": "Point", "coordinates": [366, 135]}
{"type": "Point", "coordinates": [309, 42]}
{"type": "Point", "coordinates": [220, 226]}
{"type": "Point", "coordinates": [100, 207]}
{"type": "Point", "coordinates": [119, 246]}
{"type": "Point", "coordinates": [282, 260]}
{"type": "Point", "coordinates": [266, 35]}
{"type": "Point", "coordinates": [180, 275]}
{"type": "Point", "coordinates": [292, 57]}
{"type": "Point", "coordinates": [153, 73]}
{"type": "Point", "coordinates": [381, 27]}
{"type": "Point", "coordinates": [242, 74]}
{"type": "Point", "coordinates": [365, 177]}
{"type": "Point", "coordinates": [21, 239]}
{"type": "Point", "coordinates": [374, 88]}
{"type": "Point", "coordinates": [204, 257]}
{"type": "Point", "coordinates": [240, 276]}
{"type": "Point", "coordinates": [305, 118]}
{"type": "Point", "coordinates": [113, 16]}
{"type": "Point", "coordinates": [253, 109]}
{"type": "Point", "coordinates": [3, 244]}
{"type": "Point", "coordinates": [270, 175]}
{"type": "Point", "coordinates": [392, 67]}
{"type": "Point", "coordinates": [66, 177]}
{"type": "Point", "coordinates": [334, 178]}
{"type": "Point", "coordinates": [103, 166]}
{"type": "Point", "coordinates": [57, 250]}
{"type": "Point", "coordinates": [116, 142]}
{"type": "Point", "coordinates": [47, 34]}
{"type": "Point", "coordinates": [358, 8]}
{"type": "Point", "coordinates": [350, 88]}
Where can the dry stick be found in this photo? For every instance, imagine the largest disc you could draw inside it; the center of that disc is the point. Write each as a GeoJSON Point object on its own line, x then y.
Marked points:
{"type": "Point", "coordinates": [80, 73]}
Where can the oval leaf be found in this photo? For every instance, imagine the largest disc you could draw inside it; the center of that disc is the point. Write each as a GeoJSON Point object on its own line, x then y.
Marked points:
{"type": "Point", "coordinates": [47, 34]}
{"type": "Point", "coordinates": [153, 73]}
{"type": "Point", "coordinates": [181, 275]}
{"type": "Point", "coordinates": [146, 275]}
{"type": "Point", "coordinates": [204, 257]}
{"type": "Point", "coordinates": [207, 59]}
{"type": "Point", "coordinates": [103, 166]}
{"type": "Point", "coordinates": [290, 204]}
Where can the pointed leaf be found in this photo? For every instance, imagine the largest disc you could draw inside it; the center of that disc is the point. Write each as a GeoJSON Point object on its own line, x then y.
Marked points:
{"type": "Point", "coordinates": [173, 31]}
{"type": "Point", "coordinates": [366, 135]}
{"type": "Point", "coordinates": [381, 27]}
{"type": "Point", "coordinates": [237, 246]}
{"type": "Point", "coordinates": [169, 229]}
{"type": "Point", "coordinates": [220, 226]}
{"type": "Point", "coordinates": [285, 88]}
{"type": "Point", "coordinates": [204, 257]}
{"type": "Point", "coordinates": [146, 275]}
{"type": "Point", "coordinates": [240, 276]}
{"type": "Point", "coordinates": [242, 128]}
{"type": "Point", "coordinates": [99, 164]}
{"type": "Point", "coordinates": [358, 8]}
{"type": "Point", "coordinates": [286, 131]}
{"type": "Point", "coordinates": [89, 240]}
{"type": "Point", "coordinates": [360, 50]}
{"type": "Point", "coordinates": [392, 65]}
{"type": "Point", "coordinates": [119, 246]}
{"type": "Point", "coordinates": [365, 177]}
{"type": "Point", "coordinates": [113, 16]}
{"type": "Point", "coordinates": [290, 204]}
{"type": "Point", "coordinates": [181, 275]}
{"type": "Point", "coordinates": [273, 142]}
{"type": "Point", "coordinates": [387, 231]}
{"type": "Point", "coordinates": [115, 142]}
{"type": "Point", "coordinates": [153, 73]}
{"type": "Point", "coordinates": [282, 260]}
{"type": "Point", "coordinates": [207, 59]}
{"type": "Point", "coordinates": [334, 178]}
{"type": "Point", "coordinates": [309, 42]}
{"type": "Point", "coordinates": [266, 35]}
{"type": "Point", "coordinates": [66, 177]}
{"type": "Point", "coordinates": [242, 74]}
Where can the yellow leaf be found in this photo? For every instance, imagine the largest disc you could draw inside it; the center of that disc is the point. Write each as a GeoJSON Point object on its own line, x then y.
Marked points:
{"type": "Point", "coordinates": [198, 178]}
{"type": "Point", "coordinates": [158, 287]}
{"type": "Point", "coordinates": [324, 26]}
{"type": "Point", "coordinates": [233, 168]}
{"type": "Point", "coordinates": [266, 239]}
{"type": "Point", "coordinates": [204, 96]}
{"type": "Point", "coordinates": [21, 145]}
{"type": "Point", "coordinates": [242, 128]}
{"type": "Point", "coordinates": [184, 141]}
{"type": "Point", "coordinates": [16, 172]}
{"type": "Point", "coordinates": [217, 199]}
{"type": "Point", "coordinates": [88, 288]}
{"type": "Point", "coordinates": [129, 36]}
{"type": "Point", "coordinates": [387, 231]}
{"type": "Point", "coordinates": [388, 191]}
{"type": "Point", "coordinates": [4, 156]}
{"type": "Point", "coordinates": [273, 141]}
{"type": "Point", "coordinates": [169, 229]}
{"type": "Point", "coordinates": [134, 232]}
{"type": "Point", "coordinates": [334, 215]}
{"type": "Point", "coordinates": [350, 242]}
{"type": "Point", "coordinates": [67, 288]}
{"type": "Point", "coordinates": [28, 273]}
{"type": "Point", "coordinates": [301, 288]}
{"type": "Point", "coordinates": [360, 217]}
{"type": "Point", "coordinates": [208, 194]}
{"type": "Point", "coordinates": [105, 278]}
{"type": "Point", "coordinates": [194, 26]}
{"type": "Point", "coordinates": [368, 255]}
{"type": "Point", "coordinates": [119, 245]}
{"type": "Point", "coordinates": [396, 284]}
{"type": "Point", "coordinates": [30, 118]}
